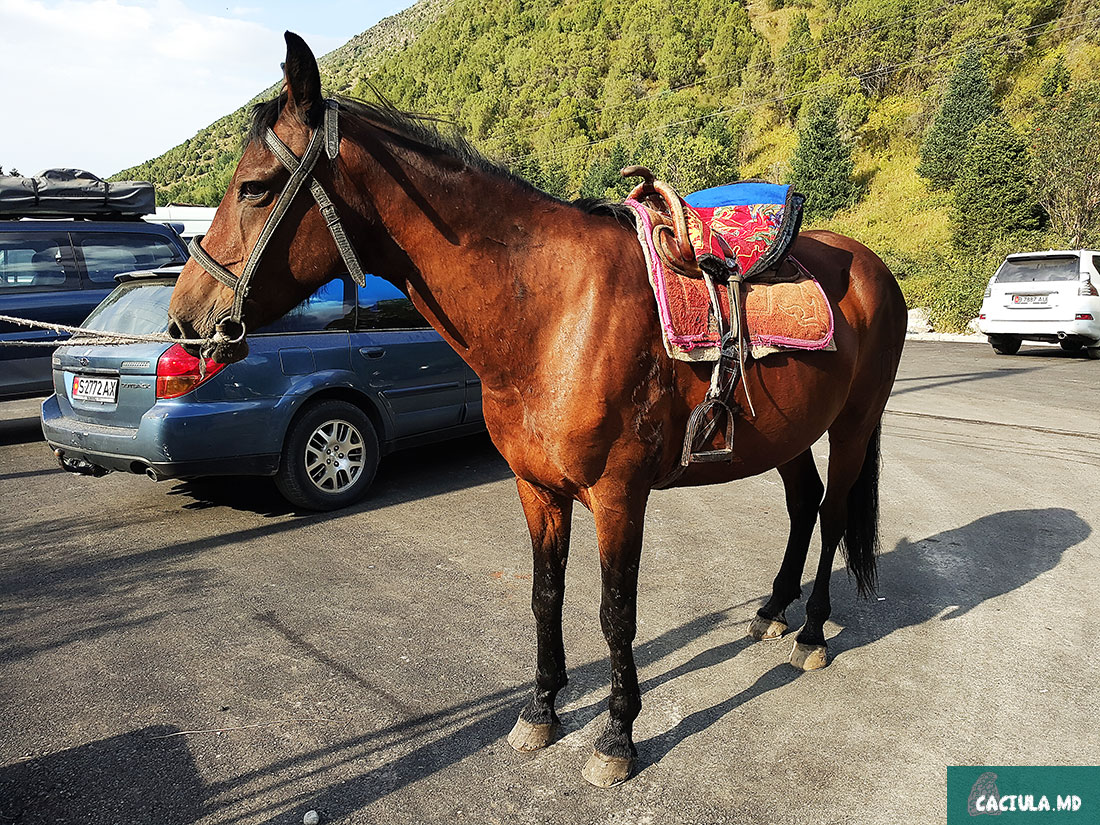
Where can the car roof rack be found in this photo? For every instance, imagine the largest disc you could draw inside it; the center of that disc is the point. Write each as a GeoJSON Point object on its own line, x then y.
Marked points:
{"type": "Point", "coordinates": [74, 193]}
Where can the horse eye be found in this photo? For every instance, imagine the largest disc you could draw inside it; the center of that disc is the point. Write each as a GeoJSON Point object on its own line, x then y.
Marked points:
{"type": "Point", "coordinates": [253, 190]}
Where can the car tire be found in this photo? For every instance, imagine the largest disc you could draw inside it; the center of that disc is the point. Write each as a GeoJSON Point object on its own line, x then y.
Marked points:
{"type": "Point", "coordinates": [1070, 346]}
{"type": "Point", "coordinates": [1092, 353]}
{"type": "Point", "coordinates": [1005, 346]}
{"type": "Point", "coordinates": [338, 434]}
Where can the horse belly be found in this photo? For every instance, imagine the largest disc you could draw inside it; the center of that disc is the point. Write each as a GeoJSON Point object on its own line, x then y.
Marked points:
{"type": "Point", "coordinates": [796, 397]}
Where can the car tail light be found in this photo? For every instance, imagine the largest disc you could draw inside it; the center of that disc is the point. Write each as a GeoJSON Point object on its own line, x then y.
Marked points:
{"type": "Point", "coordinates": [1088, 288]}
{"type": "Point", "coordinates": [178, 373]}
{"type": "Point", "coordinates": [981, 317]}
{"type": "Point", "coordinates": [1083, 316]}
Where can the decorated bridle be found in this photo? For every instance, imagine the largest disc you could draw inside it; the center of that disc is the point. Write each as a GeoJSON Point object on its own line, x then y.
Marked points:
{"type": "Point", "coordinates": [326, 138]}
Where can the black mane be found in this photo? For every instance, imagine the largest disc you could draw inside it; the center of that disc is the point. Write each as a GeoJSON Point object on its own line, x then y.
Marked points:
{"type": "Point", "coordinates": [415, 131]}
{"type": "Point", "coordinates": [421, 133]}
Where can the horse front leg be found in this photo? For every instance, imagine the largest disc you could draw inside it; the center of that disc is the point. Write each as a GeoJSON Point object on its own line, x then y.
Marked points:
{"type": "Point", "coordinates": [549, 517]}
{"type": "Point", "coordinates": [619, 521]}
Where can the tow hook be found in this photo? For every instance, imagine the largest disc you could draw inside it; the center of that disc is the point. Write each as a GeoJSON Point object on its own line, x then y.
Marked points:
{"type": "Point", "coordinates": [79, 465]}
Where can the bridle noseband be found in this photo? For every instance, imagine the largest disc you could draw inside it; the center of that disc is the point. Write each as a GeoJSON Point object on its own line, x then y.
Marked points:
{"type": "Point", "coordinates": [326, 138]}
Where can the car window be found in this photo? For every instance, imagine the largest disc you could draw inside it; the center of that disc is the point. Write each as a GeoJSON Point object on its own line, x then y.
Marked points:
{"type": "Point", "coordinates": [1047, 268]}
{"type": "Point", "coordinates": [34, 261]}
{"type": "Point", "coordinates": [332, 307]}
{"type": "Point", "coordinates": [1096, 263]}
{"type": "Point", "coordinates": [139, 307]}
{"type": "Point", "coordinates": [384, 306]}
{"type": "Point", "coordinates": [106, 254]}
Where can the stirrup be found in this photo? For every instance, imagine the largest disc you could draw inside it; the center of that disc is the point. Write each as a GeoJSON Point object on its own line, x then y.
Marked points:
{"type": "Point", "coordinates": [696, 423]}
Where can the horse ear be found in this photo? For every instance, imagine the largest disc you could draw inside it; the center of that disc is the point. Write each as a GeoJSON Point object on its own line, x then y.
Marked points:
{"type": "Point", "coordinates": [303, 80]}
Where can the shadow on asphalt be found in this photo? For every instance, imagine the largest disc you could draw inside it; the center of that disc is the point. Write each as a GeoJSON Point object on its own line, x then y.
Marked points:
{"type": "Point", "coordinates": [941, 577]}
{"type": "Point", "coordinates": [144, 776]}
{"type": "Point", "coordinates": [21, 431]}
{"type": "Point", "coordinates": [402, 476]}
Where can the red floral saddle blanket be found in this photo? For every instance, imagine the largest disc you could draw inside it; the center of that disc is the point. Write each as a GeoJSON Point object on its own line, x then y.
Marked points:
{"type": "Point", "coordinates": [784, 312]}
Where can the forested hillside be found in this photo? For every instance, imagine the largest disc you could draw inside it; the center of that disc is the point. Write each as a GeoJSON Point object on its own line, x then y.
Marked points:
{"type": "Point", "coordinates": [198, 170]}
{"type": "Point", "coordinates": [877, 92]}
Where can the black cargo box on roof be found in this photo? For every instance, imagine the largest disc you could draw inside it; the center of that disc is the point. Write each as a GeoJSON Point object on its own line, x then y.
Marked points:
{"type": "Point", "coordinates": [74, 193]}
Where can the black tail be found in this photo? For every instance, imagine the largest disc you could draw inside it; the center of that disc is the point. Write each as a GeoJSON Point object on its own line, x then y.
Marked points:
{"type": "Point", "coordinates": [861, 532]}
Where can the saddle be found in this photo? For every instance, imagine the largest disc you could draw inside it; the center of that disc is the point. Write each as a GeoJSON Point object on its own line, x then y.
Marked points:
{"type": "Point", "coordinates": [706, 254]}
{"type": "Point", "coordinates": [741, 230]}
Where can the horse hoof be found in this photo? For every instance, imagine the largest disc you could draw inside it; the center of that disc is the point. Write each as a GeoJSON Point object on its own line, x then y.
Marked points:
{"type": "Point", "coordinates": [809, 657]}
{"type": "Point", "coordinates": [762, 628]}
{"type": "Point", "coordinates": [604, 771]}
{"type": "Point", "coordinates": [527, 737]}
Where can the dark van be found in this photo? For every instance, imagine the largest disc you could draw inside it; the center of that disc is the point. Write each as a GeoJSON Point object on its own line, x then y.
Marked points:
{"type": "Point", "coordinates": [60, 251]}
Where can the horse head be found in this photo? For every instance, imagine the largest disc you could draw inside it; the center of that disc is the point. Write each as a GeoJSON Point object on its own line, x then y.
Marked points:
{"type": "Point", "coordinates": [268, 247]}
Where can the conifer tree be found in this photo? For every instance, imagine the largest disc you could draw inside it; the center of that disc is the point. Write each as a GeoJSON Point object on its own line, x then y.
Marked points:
{"type": "Point", "coordinates": [969, 101]}
{"type": "Point", "coordinates": [821, 168]}
{"type": "Point", "coordinates": [1056, 80]}
{"type": "Point", "coordinates": [994, 194]}
{"type": "Point", "coordinates": [798, 62]}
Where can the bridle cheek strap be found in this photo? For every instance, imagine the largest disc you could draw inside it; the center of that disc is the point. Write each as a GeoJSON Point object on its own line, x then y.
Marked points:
{"type": "Point", "coordinates": [325, 139]}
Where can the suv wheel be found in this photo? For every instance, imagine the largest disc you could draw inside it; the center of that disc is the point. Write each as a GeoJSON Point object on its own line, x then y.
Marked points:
{"type": "Point", "coordinates": [1092, 353]}
{"type": "Point", "coordinates": [329, 458]}
{"type": "Point", "coordinates": [1006, 345]}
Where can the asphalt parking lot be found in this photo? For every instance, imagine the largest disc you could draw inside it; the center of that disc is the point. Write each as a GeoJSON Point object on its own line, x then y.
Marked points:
{"type": "Point", "coordinates": [194, 652]}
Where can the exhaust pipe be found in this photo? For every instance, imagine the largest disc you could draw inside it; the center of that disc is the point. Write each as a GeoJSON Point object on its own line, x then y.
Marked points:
{"type": "Point", "coordinates": [149, 471]}
{"type": "Point", "coordinates": [1061, 336]}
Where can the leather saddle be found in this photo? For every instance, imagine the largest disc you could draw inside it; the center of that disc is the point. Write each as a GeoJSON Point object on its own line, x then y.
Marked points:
{"type": "Point", "coordinates": [740, 231]}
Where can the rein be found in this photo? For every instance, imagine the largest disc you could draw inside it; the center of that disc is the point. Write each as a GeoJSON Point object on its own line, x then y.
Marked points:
{"type": "Point", "coordinates": [231, 328]}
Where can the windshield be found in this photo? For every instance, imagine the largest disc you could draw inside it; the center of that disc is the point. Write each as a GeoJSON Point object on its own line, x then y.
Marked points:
{"type": "Point", "coordinates": [139, 307]}
{"type": "Point", "coordinates": [1047, 268]}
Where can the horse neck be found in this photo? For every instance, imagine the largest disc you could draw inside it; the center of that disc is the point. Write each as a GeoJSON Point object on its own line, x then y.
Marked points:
{"type": "Point", "coordinates": [478, 248]}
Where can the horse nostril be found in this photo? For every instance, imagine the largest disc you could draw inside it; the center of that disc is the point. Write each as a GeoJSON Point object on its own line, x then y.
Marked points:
{"type": "Point", "coordinates": [180, 330]}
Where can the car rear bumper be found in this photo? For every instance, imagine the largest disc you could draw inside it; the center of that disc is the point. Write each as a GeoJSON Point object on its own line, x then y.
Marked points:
{"type": "Point", "coordinates": [170, 442]}
{"type": "Point", "coordinates": [1043, 330]}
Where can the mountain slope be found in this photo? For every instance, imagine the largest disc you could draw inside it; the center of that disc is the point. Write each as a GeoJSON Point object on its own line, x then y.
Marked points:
{"type": "Point", "coordinates": [199, 169]}
{"type": "Point", "coordinates": [567, 92]}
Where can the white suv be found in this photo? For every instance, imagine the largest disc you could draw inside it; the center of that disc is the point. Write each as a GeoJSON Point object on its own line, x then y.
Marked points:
{"type": "Point", "coordinates": [1044, 296]}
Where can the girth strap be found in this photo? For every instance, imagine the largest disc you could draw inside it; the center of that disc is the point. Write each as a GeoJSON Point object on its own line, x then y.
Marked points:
{"type": "Point", "coordinates": [325, 139]}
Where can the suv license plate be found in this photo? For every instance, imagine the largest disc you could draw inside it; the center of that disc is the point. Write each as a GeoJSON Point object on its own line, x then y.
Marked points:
{"type": "Point", "coordinates": [1029, 299]}
{"type": "Point", "coordinates": [102, 390]}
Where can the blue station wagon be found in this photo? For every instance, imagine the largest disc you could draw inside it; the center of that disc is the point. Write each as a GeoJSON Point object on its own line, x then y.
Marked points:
{"type": "Point", "coordinates": [349, 375]}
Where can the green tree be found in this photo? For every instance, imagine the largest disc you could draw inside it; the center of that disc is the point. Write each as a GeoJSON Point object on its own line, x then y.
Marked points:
{"type": "Point", "coordinates": [798, 62]}
{"type": "Point", "coordinates": [1066, 146]}
{"type": "Point", "coordinates": [821, 168]}
{"type": "Point", "coordinates": [993, 197]}
{"type": "Point", "coordinates": [1057, 78]}
{"type": "Point", "coordinates": [603, 178]}
{"type": "Point", "coordinates": [968, 102]}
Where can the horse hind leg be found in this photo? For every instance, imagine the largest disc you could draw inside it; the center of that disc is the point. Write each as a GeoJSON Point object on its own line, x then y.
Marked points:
{"type": "Point", "coordinates": [803, 492]}
{"type": "Point", "coordinates": [549, 518]}
{"type": "Point", "coordinates": [849, 513]}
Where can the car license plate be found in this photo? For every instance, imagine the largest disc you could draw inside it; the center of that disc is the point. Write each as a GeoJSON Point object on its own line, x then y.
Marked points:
{"type": "Point", "coordinates": [93, 388]}
{"type": "Point", "coordinates": [1029, 299]}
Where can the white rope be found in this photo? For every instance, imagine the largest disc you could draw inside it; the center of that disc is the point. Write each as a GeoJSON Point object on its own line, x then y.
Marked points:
{"type": "Point", "coordinates": [98, 337]}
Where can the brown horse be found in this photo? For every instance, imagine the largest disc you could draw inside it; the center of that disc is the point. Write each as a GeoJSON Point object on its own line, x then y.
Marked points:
{"type": "Point", "coordinates": [549, 303]}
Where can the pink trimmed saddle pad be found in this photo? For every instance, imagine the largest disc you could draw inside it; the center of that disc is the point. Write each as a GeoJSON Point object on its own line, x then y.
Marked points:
{"type": "Point", "coordinates": [793, 315]}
